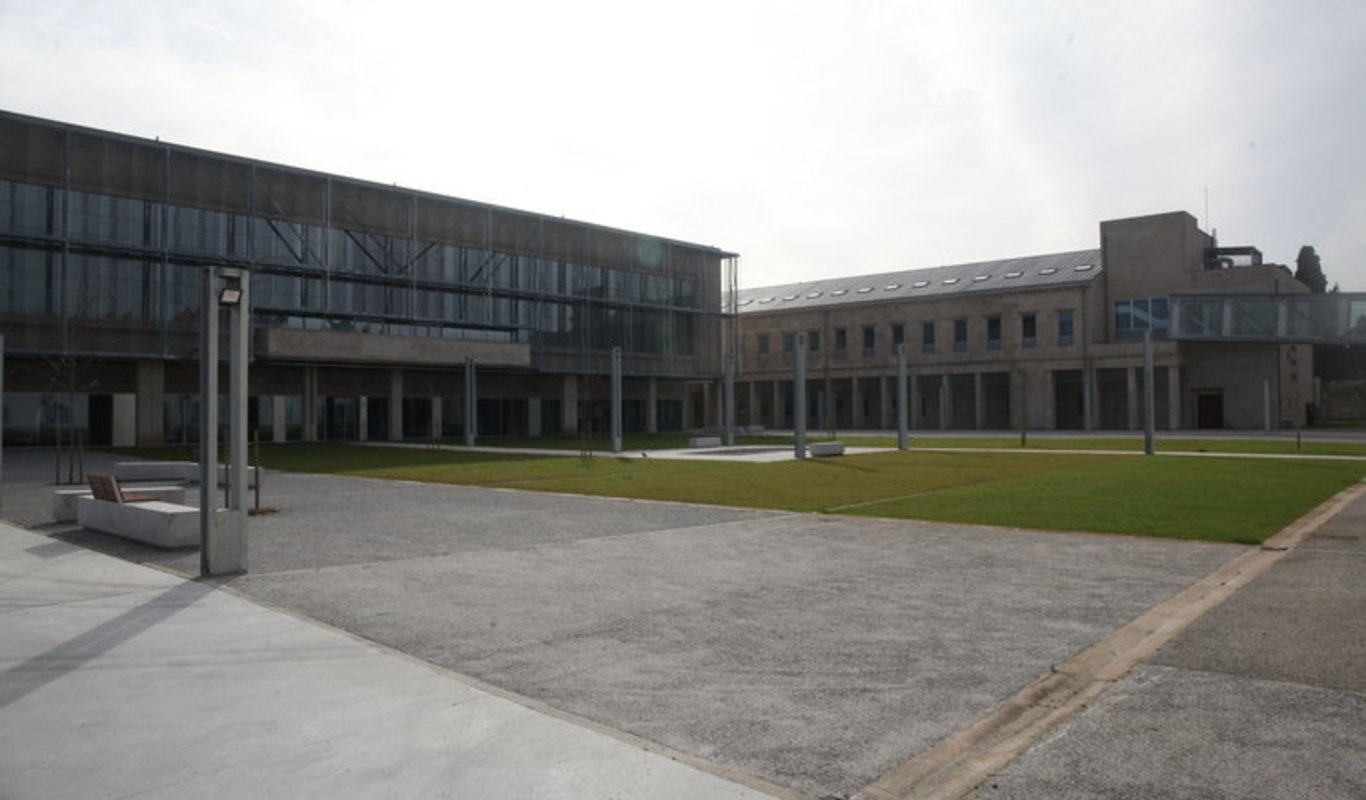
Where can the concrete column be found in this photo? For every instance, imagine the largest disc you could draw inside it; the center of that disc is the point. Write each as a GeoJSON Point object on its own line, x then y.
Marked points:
{"type": "Point", "coordinates": [652, 405]}
{"type": "Point", "coordinates": [913, 401]}
{"type": "Point", "coordinates": [279, 426]}
{"type": "Point", "coordinates": [395, 405]}
{"type": "Point", "coordinates": [569, 405]}
{"type": "Point", "coordinates": [471, 426]}
{"type": "Point", "coordinates": [1090, 395]}
{"type": "Point", "coordinates": [1050, 394]}
{"type": "Point", "coordinates": [1131, 387]}
{"type": "Point", "coordinates": [533, 416]}
{"type": "Point", "coordinates": [754, 403]}
{"type": "Point", "coordinates": [687, 404]}
{"type": "Point", "coordinates": [1174, 398]}
{"type": "Point", "coordinates": [363, 418]}
{"type": "Point", "coordinates": [125, 420]}
{"type": "Point", "coordinates": [151, 404]}
{"type": "Point", "coordinates": [884, 389]}
{"type": "Point", "coordinates": [945, 402]}
{"type": "Point", "coordinates": [979, 407]}
{"type": "Point", "coordinates": [436, 431]}
{"type": "Point", "coordinates": [856, 405]}
{"type": "Point", "coordinates": [310, 415]}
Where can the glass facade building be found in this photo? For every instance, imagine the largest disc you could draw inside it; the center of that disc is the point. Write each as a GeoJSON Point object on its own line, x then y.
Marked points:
{"type": "Point", "coordinates": [367, 300]}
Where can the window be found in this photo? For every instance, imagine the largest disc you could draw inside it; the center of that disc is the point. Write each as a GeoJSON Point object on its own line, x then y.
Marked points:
{"type": "Point", "coordinates": [869, 340]}
{"type": "Point", "coordinates": [1132, 317]}
{"type": "Point", "coordinates": [1029, 330]}
{"type": "Point", "coordinates": [1065, 337]}
{"type": "Point", "coordinates": [841, 343]}
{"type": "Point", "coordinates": [814, 340]}
{"type": "Point", "coordinates": [960, 335]}
{"type": "Point", "coordinates": [898, 334]}
{"type": "Point", "coordinates": [761, 343]}
{"type": "Point", "coordinates": [993, 333]}
{"type": "Point", "coordinates": [927, 337]}
{"type": "Point", "coordinates": [789, 345]}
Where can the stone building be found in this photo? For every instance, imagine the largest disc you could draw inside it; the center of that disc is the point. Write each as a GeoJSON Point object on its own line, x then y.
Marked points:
{"type": "Point", "coordinates": [1041, 342]}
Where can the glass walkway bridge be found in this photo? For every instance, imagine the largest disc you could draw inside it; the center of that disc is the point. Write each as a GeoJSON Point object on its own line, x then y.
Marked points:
{"type": "Point", "coordinates": [1338, 318]}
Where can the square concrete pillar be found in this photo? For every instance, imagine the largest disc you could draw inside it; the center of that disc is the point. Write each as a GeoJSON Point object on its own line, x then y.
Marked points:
{"type": "Point", "coordinates": [1174, 398]}
{"type": "Point", "coordinates": [279, 426]}
{"type": "Point", "coordinates": [437, 426]}
{"type": "Point", "coordinates": [396, 405]}
{"type": "Point", "coordinates": [569, 405]}
{"type": "Point", "coordinates": [979, 407]}
{"type": "Point", "coordinates": [652, 405]}
{"type": "Point", "coordinates": [149, 423]}
{"type": "Point", "coordinates": [533, 416]}
{"type": "Point", "coordinates": [1131, 398]}
{"type": "Point", "coordinates": [310, 420]}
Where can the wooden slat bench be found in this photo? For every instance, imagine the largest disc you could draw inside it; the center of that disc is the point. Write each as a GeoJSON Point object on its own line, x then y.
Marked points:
{"type": "Point", "coordinates": [64, 500]}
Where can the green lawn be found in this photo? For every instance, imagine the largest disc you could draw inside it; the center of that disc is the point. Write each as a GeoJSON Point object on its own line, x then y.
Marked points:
{"type": "Point", "coordinates": [1218, 498]}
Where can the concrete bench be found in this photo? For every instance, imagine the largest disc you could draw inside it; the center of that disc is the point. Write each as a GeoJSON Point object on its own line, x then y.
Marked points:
{"type": "Point", "coordinates": [155, 522]}
{"type": "Point", "coordinates": [141, 518]}
{"type": "Point", "coordinates": [704, 441]}
{"type": "Point", "coordinates": [64, 500]}
{"type": "Point", "coordinates": [823, 449]}
{"type": "Point", "coordinates": [187, 471]}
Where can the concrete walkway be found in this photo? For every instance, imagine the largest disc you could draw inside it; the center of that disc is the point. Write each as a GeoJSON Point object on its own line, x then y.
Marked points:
{"type": "Point", "coordinates": [119, 680]}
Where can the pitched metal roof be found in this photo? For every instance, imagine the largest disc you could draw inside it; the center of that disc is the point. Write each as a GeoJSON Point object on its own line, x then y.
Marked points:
{"type": "Point", "coordinates": [1028, 272]}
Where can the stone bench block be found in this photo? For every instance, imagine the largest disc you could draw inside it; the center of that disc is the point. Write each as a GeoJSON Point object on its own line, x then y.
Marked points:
{"type": "Point", "coordinates": [154, 522]}
{"type": "Point", "coordinates": [64, 500]}
{"type": "Point", "coordinates": [823, 449]}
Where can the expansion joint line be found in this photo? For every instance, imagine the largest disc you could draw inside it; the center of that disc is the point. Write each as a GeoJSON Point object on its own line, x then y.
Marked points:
{"type": "Point", "coordinates": [960, 762]}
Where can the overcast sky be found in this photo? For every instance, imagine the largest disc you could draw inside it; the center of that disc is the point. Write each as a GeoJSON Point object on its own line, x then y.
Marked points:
{"type": "Point", "coordinates": [814, 139]}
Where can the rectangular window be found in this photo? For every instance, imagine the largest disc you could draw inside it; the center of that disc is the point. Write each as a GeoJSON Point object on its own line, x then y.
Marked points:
{"type": "Point", "coordinates": [869, 340]}
{"type": "Point", "coordinates": [761, 342]}
{"type": "Point", "coordinates": [960, 335]}
{"type": "Point", "coordinates": [898, 334]}
{"type": "Point", "coordinates": [1029, 330]}
{"type": "Point", "coordinates": [841, 343]}
{"type": "Point", "coordinates": [993, 333]}
{"type": "Point", "coordinates": [789, 345]}
{"type": "Point", "coordinates": [927, 337]}
{"type": "Point", "coordinates": [1065, 328]}
{"type": "Point", "coordinates": [814, 340]}
{"type": "Point", "coordinates": [1140, 314]}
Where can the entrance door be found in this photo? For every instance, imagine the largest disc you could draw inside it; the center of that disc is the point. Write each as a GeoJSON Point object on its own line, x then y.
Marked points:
{"type": "Point", "coordinates": [101, 408]}
{"type": "Point", "coordinates": [1209, 409]}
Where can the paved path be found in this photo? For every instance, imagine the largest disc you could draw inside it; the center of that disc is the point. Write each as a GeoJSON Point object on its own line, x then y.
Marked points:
{"type": "Point", "coordinates": [774, 653]}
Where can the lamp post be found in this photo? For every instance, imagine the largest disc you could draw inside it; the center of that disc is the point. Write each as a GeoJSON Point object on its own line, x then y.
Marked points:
{"type": "Point", "coordinates": [223, 531]}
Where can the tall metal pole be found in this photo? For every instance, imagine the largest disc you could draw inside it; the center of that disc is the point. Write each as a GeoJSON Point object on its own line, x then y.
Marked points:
{"type": "Point", "coordinates": [730, 400]}
{"type": "Point", "coordinates": [1149, 415]}
{"type": "Point", "coordinates": [902, 427]}
{"type": "Point", "coordinates": [616, 399]}
{"type": "Point", "coordinates": [799, 396]}
{"type": "Point", "coordinates": [208, 421]}
{"type": "Point", "coordinates": [239, 349]}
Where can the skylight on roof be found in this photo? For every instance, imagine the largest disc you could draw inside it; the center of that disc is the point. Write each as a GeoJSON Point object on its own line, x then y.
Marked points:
{"type": "Point", "coordinates": [1013, 274]}
{"type": "Point", "coordinates": [950, 281]}
{"type": "Point", "coordinates": [813, 295]}
{"type": "Point", "coordinates": [920, 284]}
{"type": "Point", "coordinates": [787, 298]}
{"type": "Point", "coordinates": [865, 289]}
{"type": "Point", "coordinates": [1048, 270]}
{"type": "Point", "coordinates": [747, 301]}
{"type": "Point", "coordinates": [839, 293]}
{"type": "Point", "coordinates": [980, 278]}
{"type": "Point", "coordinates": [891, 287]}
{"type": "Point", "coordinates": [1084, 267]}
{"type": "Point", "coordinates": [764, 300]}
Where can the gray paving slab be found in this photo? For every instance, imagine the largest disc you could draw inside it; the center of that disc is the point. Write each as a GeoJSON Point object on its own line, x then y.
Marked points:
{"type": "Point", "coordinates": [1176, 733]}
{"type": "Point", "coordinates": [129, 682]}
{"type": "Point", "coordinates": [1303, 621]}
{"type": "Point", "coordinates": [816, 652]}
